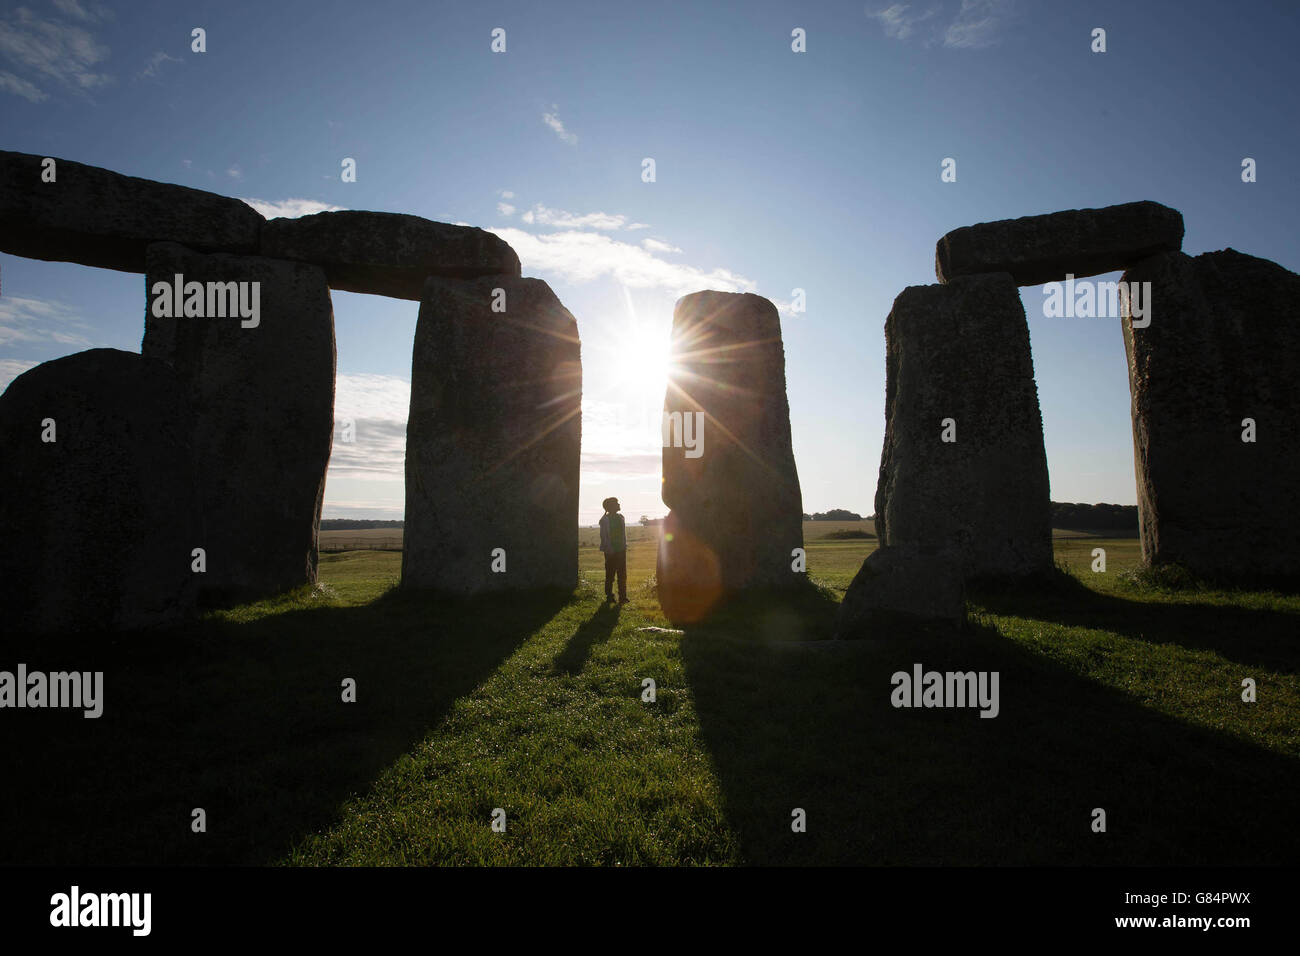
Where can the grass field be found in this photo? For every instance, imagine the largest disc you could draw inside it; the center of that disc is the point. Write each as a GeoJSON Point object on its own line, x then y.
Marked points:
{"type": "Point", "coordinates": [1113, 695]}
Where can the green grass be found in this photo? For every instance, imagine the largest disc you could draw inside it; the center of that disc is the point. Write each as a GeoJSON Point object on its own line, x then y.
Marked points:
{"type": "Point", "coordinates": [1114, 694]}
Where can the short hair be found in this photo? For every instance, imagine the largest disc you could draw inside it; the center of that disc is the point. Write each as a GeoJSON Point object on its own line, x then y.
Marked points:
{"type": "Point", "coordinates": [609, 504]}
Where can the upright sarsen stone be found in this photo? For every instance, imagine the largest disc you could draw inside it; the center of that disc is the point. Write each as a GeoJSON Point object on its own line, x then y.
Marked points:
{"type": "Point", "coordinates": [101, 218]}
{"type": "Point", "coordinates": [97, 495]}
{"type": "Point", "coordinates": [1039, 249]}
{"type": "Point", "coordinates": [958, 367]}
{"type": "Point", "coordinates": [1222, 346]}
{"type": "Point", "coordinates": [493, 439]}
{"type": "Point", "coordinates": [263, 400]}
{"type": "Point", "coordinates": [729, 473]}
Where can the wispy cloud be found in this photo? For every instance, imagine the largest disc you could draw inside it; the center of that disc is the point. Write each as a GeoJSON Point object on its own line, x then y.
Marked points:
{"type": "Point", "coordinates": [376, 406]}
{"type": "Point", "coordinates": [541, 215]}
{"type": "Point", "coordinates": [978, 24]}
{"type": "Point", "coordinates": [972, 25]}
{"type": "Point", "coordinates": [577, 256]}
{"type": "Point", "coordinates": [290, 208]}
{"type": "Point", "coordinates": [86, 12]}
{"type": "Point", "coordinates": [40, 320]}
{"type": "Point", "coordinates": [156, 62]}
{"type": "Point", "coordinates": [47, 49]}
{"type": "Point", "coordinates": [657, 245]}
{"type": "Point", "coordinates": [10, 369]}
{"type": "Point", "coordinates": [234, 172]}
{"type": "Point", "coordinates": [505, 209]}
{"type": "Point", "coordinates": [899, 20]}
{"type": "Point", "coordinates": [552, 119]}
{"type": "Point", "coordinates": [20, 87]}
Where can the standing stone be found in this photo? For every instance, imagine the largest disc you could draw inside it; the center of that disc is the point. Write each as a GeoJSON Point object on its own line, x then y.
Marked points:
{"type": "Point", "coordinates": [263, 399]}
{"type": "Point", "coordinates": [1039, 249]}
{"type": "Point", "coordinates": [101, 218]}
{"type": "Point", "coordinates": [1223, 345]}
{"type": "Point", "coordinates": [493, 439]}
{"type": "Point", "coordinates": [960, 352]}
{"type": "Point", "coordinates": [906, 583]}
{"type": "Point", "coordinates": [99, 522]}
{"type": "Point", "coordinates": [736, 509]}
{"type": "Point", "coordinates": [387, 253]}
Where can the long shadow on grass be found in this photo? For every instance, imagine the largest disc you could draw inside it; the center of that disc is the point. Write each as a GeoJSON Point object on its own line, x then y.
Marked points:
{"type": "Point", "coordinates": [1252, 637]}
{"type": "Point", "coordinates": [245, 721]}
{"type": "Point", "coordinates": [812, 727]}
{"type": "Point", "coordinates": [595, 630]}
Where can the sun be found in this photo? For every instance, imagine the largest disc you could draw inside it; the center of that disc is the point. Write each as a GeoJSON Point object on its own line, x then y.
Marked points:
{"type": "Point", "coordinates": [648, 373]}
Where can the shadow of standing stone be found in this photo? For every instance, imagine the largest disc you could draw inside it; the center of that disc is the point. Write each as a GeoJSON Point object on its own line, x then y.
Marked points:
{"type": "Point", "coordinates": [101, 520]}
{"type": "Point", "coordinates": [493, 439]}
{"type": "Point", "coordinates": [263, 400]}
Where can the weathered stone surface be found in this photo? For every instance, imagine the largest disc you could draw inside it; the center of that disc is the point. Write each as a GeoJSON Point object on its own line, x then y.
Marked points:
{"type": "Point", "coordinates": [100, 522]}
{"type": "Point", "coordinates": [263, 400]}
{"type": "Point", "coordinates": [1223, 345]}
{"type": "Point", "coordinates": [1038, 249]}
{"type": "Point", "coordinates": [961, 352]}
{"type": "Point", "coordinates": [493, 439]}
{"type": "Point", "coordinates": [387, 253]}
{"type": "Point", "coordinates": [903, 582]}
{"type": "Point", "coordinates": [101, 218]}
{"type": "Point", "coordinates": [735, 501]}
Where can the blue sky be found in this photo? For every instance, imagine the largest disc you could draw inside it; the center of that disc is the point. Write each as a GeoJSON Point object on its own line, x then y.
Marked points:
{"type": "Point", "coordinates": [775, 171]}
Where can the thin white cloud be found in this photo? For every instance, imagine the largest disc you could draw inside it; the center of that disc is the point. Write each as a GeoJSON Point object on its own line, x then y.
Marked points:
{"type": "Point", "coordinates": [86, 12]}
{"type": "Point", "coordinates": [656, 245]}
{"type": "Point", "coordinates": [234, 172]}
{"type": "Point", "coordinates": [971, 25]}
{"type": "Point", "coordinates": [40, 320]}
{"type": "Point", "coordinates": [376, 408]}
{"type": "Point", "coordinates": [20, 87]}
{"type": "Point", "coordinates": [579, 257]}
{"type": "Point", "coordinates": [290, 208]}
{"type": "Point", "coordinates": [978, 24]}
{"type": "Point", "coordinates": [187, 163]}
{"type": "Point", "coordinates": [552, 120]}
{"type": "Point", "coordinates": [899, 20]}
{"type": "Point", "coordinates": [507, 194]}
{"type": "Point", "coordinates": [505, 209]}
{"type": "Point", "coordinates": [156, 63]}
{"type": "Point", "coordinates": [541, 215]}
{"type": "Point", "coordinates": [10, 369]}
{"type": "Point", "coordinates": [60, 51]}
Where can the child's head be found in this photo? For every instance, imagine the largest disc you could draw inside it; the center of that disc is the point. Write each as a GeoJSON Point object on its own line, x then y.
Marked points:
{"type": "Point", "coordinates": [610, 504]}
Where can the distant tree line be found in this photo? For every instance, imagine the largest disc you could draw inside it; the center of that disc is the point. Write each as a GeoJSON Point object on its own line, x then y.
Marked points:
{"type": "Point", "coordinates": [355, 524]}
{"type": "Point", "coordinates": [835, 514]}
{"type": "Point", "coordinates": [1077, 515]}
